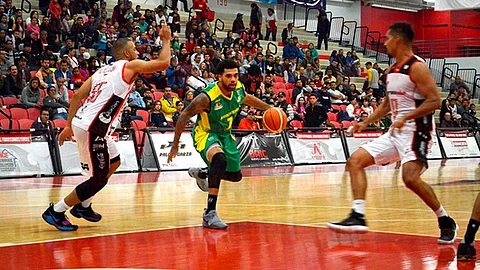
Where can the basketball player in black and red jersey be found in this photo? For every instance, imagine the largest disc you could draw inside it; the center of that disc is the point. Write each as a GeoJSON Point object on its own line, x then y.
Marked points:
{"type": "Point", "coordinates": [412, 97]}
{"type": "Point", "coordinates": [105, 94]}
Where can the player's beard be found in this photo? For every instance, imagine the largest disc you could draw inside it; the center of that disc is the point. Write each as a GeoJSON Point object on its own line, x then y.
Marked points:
{"type": "Point", "coordinates": [229, 87]}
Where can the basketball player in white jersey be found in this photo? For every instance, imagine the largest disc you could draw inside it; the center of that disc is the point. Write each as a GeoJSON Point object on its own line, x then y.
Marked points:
{"type": "Point", "coordinates": [412, 97]}
{"type": "Point", "coordinates": [105, 94]}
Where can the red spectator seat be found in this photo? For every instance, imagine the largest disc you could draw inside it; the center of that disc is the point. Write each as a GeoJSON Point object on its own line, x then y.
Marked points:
{"type": "Point", "coordinates": [174, 94]}
{"type": "Point", "coordinates": [19, 113]}
{"type": "Point", "coordinates": [354, 122]}
{"type": "Point", "coordinates": [43, 93]}
{"type": "Point", "coordinates": [33, 73]}
{"type": "Point", "coordinates": [278, 79]}
{"type": "Point", "coordinates": [143, 114]}
{"type": "Point", "coordinates": [296, 124]}
{"type": "Point", "coordinates": [138, 125]}
{"type": "Point", "coordinates": [157, 95]}
{"type": "Point", "coordinates": [343, 107]}
{"type": "Point", "coordinates": [336, 107]}
{"type": "Point", "coordinates": [25, 123]}
{"type": "Point", "coordinates": [71, 93]}
{"type": "Point", "coordinates": [346, 124]}
{"type": "Point", "coordinates": [289, 85]}
{"type": "Point", "coordinates": [336, 124]}
{"type": "Point", "coordinates": [59, 123]}
{"type": "Point", "coordinates": [332, 117]}
{"type": "Point", "coordinates": [324, 57]}
{"type": "Point", "coordinates": [154, 88]}
{"type": "Point", "coordinates": [278, 90]}
{"type": "Point", "coordinates": [5, 123]}
{"type": "Point", "coordinates": [33, 113]}
{"type": "Point", "coordinates": [7, 111]}
{"type": "Point", "coordinates": [7, 101]}
{"type": "Point", "coordinates": [278, 85]}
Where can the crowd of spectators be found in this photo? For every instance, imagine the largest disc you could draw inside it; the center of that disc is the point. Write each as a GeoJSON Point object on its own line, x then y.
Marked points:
{"type": "Point", "coordinates": [42, 64]}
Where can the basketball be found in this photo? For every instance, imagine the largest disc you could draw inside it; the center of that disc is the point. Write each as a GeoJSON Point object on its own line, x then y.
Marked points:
{"type": "Point", "coordinates": [274, 120]}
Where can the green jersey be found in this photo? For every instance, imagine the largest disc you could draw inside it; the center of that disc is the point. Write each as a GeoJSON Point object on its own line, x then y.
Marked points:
{"type": "Point", "coordinates": [219, 119]}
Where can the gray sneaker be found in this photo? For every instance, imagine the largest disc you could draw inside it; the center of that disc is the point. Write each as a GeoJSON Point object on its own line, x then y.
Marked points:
{"type": "Point", "coordinates": [200, 174]}
{"type": "Point", "coordinates": [212, 221]}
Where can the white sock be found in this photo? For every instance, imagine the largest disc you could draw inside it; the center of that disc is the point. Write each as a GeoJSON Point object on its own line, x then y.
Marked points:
{"type": "Point", "coordinates": [441, 212]}
{"type": "Point", "coordinates": [60, 207]}
{"type": "Point", "coordinates": [87, 202]}
{"type": "Point", "coordinates": [359, 206]}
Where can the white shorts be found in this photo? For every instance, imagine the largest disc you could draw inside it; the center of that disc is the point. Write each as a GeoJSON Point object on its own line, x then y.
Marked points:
{"type": "Point", "coordinates": [95, 152]}
{"type": "Point", "coordinates": [406, 145]}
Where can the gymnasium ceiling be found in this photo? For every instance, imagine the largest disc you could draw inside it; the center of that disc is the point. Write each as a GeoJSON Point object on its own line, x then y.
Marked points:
{"type": "Point", "coordinates": [410, 5]}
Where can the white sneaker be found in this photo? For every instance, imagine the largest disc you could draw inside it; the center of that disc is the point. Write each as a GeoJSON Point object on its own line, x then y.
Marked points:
{"type": "Point", "coordinates": [200, 174]}
{"type": "Point", "coordinates": [212, 221]}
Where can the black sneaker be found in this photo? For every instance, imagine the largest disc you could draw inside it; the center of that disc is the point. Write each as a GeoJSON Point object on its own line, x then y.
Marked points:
{"type": "Point", "coordinates": [58, 220]}
{"type": "Point", "coordinates": [448, 230]}
{"type": "Point", "coordinates": [466, 252]}
{"type": "Point", "coordinates": [355, 223]}
{"type": "Point", "coordinates": [79, 211]}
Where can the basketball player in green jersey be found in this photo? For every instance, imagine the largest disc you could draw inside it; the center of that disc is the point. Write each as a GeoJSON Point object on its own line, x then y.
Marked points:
{"type": "Point", "coordinates": [216, 107]}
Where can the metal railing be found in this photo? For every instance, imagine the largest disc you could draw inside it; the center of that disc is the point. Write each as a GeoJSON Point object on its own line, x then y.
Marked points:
{"type": "Point", "coordinates": [22, 6]}
{"type": "Point", "coordinates": [436, 68]}
{"type": "Point", "coordinates": [444, 48]}
{"type": "Point", "coordinates": [216, 27]}
{"type": "Point", "coordinates": [311, 20]}
{"type": "Point", "coordinates": [336, 29]}
{"type": "Point", "coordinates": [273, 45]}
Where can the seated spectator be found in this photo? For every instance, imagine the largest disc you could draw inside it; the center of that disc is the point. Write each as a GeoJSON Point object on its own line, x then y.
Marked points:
{"type": "Point", "coordinates": [387, 120]}
{"type": "Point", "coordinates": [366, 106]}
{"type": "Point", "coordinates": [64, 73]}
{"type": "Point", "coordinates": [45, 75]}
{"type": "Point", "coordinates": [351, 109]}
{"type": "Point", "coordinates": [135, 101]}
{"type": "Point", "coordinates": [42, 122]}
{"type": "Point", "coordinates": [156, 118]}
{"type": "Point", "coordinates": [286, 107]}
{"type": "Point", "coordinates": [195, 83]}
{"type": "Point", "coordinates": [363, 117]}
{"type": "Point", "coordinates": [62, 91]}
{"type": "Point", "coordinates": [168, 104]}
{"type": "Point", "coordinates": [457, 83]}
{"type": "Point", "coordinates": [77, 78]}
{"type": "Point", "coordinates": [31, 94]}
{"type": "Point", "coordinates": [315, 115]}
{"type": "Point", "coordinates": [463, 107]}
{"type": "Point", "coordinates": [300, 108]}
{"type": "Point", "coordinates": [447, 122]}
{"type": "Point", "coordinates": [249, 122]}
{"type": "Point", "coordinates": [457, 121]}
{"type": "Point", "coordinates": [13, 83]}
{"type": "Point", "coordinates": [57, 108]}
{"type": "Point", "coordinates": [238, 26]}
{"type": "Point", "coordinates": [148, 99]}
{"type": "Point", "coordinates": [287, 33]}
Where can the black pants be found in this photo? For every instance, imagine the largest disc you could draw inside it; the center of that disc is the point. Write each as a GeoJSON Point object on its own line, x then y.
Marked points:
{"type": "Point", "coordinates": [322, 38]}
{"type": "Point", "coordinates": [175, 2]}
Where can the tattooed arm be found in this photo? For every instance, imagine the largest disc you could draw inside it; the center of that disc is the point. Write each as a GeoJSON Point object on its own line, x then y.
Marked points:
{"type": "Point", "coordinates": [199, 104]}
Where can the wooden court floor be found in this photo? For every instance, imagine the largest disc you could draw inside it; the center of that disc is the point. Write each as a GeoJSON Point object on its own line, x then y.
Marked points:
{"type": "Point", "coordinates": [277, 220]}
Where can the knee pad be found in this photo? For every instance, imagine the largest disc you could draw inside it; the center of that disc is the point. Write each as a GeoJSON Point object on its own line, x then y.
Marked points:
{"type": "Point", "coordinates": [233, 176]}
{"type": "Point", "coordinates": [217, 170]}
{"type": "Point", "coordinates": [91, 187]}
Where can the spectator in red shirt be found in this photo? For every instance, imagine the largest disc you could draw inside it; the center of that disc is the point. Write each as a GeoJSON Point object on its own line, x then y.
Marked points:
{"type": "Point", "coordinates": [249, 122]}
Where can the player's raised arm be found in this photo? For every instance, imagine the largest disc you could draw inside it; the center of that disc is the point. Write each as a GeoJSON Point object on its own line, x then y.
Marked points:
{"type": "Point", "coordinates": [137, 66]}
{"type": "Point", "coordinates": [199, 104]}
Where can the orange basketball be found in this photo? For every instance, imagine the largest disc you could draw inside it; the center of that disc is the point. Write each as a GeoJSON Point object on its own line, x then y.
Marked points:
{"type": "Point", "coordinates": [274, 120]}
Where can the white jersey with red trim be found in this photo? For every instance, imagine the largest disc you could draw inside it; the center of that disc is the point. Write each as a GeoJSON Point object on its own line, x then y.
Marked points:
{"type": "Point", "coordinates": [107, 97]}
{"type": "Point", "coordinates": [402, 91]}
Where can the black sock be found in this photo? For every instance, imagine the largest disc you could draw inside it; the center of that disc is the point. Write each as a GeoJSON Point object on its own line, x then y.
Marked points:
{"type": "Point", "coordinates": [471, 231]}
{"type": "Point", "coordinates": [212, 202]}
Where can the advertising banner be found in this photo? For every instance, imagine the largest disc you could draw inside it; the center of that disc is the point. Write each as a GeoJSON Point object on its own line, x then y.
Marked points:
{"type": "Point", "coordinates": [434, 151]}
{"type": "Point", "coordinates": [459, 144]}
{"type": "Point", "coordinates": [124, 143]}
{"type": "Point", "coordinates": [316, 148]}
{"type": "Point", "coordinates": [360, 138]}
{"type": "Point", "coordinates": [19, 156]}
{"type": "Point", "coordinates": [260, 150]}
{"type": "Point", "coordinates": [187, 155]}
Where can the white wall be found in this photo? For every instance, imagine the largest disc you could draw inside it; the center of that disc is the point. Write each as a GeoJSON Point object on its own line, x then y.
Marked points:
{"type": "Point", "coordinates": [351, 12]}
{"type": "Point", "coordinates": [466, 62]}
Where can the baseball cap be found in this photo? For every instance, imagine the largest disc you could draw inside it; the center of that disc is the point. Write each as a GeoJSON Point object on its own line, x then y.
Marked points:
{"type": "Point", "coordinates": [308, 89]}
{"type": "Point", "coordinates": [239, 14]}
{"type": "Point", "coordinates": [251, 112]}
{"type": "Point", "coordinates": [282, 94]}
{"type": "Point", "coordinates": [457, 116]}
